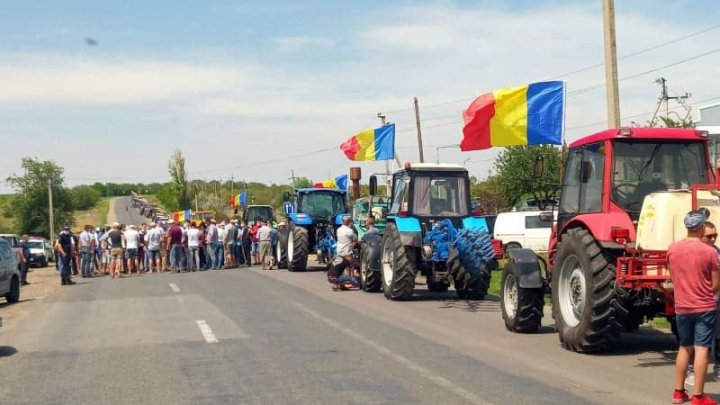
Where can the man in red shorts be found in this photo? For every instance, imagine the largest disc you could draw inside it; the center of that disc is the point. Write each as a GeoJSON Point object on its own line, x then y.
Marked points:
{"type": "Point", "coordinates": [695, 272]}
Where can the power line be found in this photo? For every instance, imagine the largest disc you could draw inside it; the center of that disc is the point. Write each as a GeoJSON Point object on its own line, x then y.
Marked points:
{"type": "Point", "coordinates": [636, 53]}
{"type": "Point", "coordinates": [636, 75]}
{"type": "Point", "coordinates": [630, 55]}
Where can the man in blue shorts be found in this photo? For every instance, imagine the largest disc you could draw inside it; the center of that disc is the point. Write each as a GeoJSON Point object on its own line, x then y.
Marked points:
{"type": "Point", "coordinates": [695, 272]}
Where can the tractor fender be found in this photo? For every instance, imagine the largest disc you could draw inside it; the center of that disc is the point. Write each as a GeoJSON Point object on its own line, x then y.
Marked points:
{"type": "Point", "coordinates": [475, 223]}
{"type": "Point", "coordinates": [409, 229]}
{"type": "Point", "coordinates": [527, 268]}
{"type": "Point", "coordinates": [338, 220]}
{"type": "Point", "coordinates": [372, 244]}
{"type": "Point", "coordinates": [600, 225]}
{"type": "Point", "coordinates": [301, 219]}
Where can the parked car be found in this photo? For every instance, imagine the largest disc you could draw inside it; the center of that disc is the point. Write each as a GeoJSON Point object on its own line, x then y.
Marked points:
{"type": "Point", "coordinates": [12, 239]}
{"type": "Point", "coordinates": [9, 273]}
{"type": "Point", "coordinates": [40, 252]}
{"type": "Point", "coordinates": [524, 229]}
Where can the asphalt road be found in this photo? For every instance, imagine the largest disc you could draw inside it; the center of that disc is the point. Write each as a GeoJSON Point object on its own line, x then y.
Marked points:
{"type": "Point", "coordinates": [273, 337]}
{"type": "Point", "coordinates": [122, 211]}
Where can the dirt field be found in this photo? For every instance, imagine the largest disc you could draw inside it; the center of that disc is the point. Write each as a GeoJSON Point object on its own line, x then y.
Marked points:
{"type": "Point", "coordinates": [43, 281]}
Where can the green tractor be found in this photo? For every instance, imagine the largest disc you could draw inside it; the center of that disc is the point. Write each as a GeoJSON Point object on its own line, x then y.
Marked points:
{"type": "Point", "coordinates": [370, 207]}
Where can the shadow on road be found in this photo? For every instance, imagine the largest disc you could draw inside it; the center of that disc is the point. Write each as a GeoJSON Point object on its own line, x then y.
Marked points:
{"type": "Point", "coordinates": [7, 304]}
{"type": "Point", "coordinates": [7, 351]}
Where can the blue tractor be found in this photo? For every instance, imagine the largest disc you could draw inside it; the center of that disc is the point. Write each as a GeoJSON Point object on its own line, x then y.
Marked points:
{"type": "Point", "coordinates": [313, 217]}
{"type": "Point", "coordinates": [431, 230]}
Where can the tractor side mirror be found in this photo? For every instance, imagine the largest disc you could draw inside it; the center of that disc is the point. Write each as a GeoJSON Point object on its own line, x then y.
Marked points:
{"type": "Point", "coordinates": [286, 196]}
{"type": "Point", "coordinates": [586, 172]}
{"type": "Point", "coordinates": [373, 185]}
{"type": "Point", "coordinates": [538, 167]}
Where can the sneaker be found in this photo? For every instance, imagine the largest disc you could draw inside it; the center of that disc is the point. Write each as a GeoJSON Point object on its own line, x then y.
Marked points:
{"type": "Point", "coordinates": [716, 372]}
{"type": "Point", "coordinates": [702, 400]}
{"type": "Point", "coordinates": [680, 397]}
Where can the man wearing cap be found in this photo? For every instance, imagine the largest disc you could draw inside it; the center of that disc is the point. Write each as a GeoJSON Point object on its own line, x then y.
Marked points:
{"type": "Point", "coordinates": [263, 234]}
{"type": "Point", "coordinates": [695, 271]}
{"type": "Point", "coordinates": [64, 248]}
{"type": "Point", "coordinates": [86, 247]}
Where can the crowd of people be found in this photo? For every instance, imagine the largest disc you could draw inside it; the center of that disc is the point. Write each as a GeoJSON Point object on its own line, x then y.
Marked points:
{"type": "Point", "coordinates": [187, 246]}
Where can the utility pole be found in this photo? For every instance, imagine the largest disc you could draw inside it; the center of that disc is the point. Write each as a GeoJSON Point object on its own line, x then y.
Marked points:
{"type": "Point", "coordinates": [50, 212]}
{"type": "Point", "coordinates": [293, 178]}
{"type": "Point", "coordinates": [419, 131]}
{"type": "Point", "coordinates": [611, 70]}
{"type": "Point", "coordinates": [665, 97]}
{"type": "Point", "coordinates": [197, 190]}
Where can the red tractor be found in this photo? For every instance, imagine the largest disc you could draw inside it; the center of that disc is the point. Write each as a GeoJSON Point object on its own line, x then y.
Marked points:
{"type": "Point", "coordinates": [622, 201]}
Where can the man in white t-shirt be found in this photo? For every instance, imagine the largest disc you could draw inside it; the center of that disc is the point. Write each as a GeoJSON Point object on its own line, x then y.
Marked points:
{"type": "Point", "coordinates": [341, 274]}
{"type": "Point", "coordinates": [153, 241]}
{"type": "Point", "coordinates": [86, 247]}
{"type": "Point", "coordinates": [130, 243]}
{"type": "Point", "coordinates": [193, 241]}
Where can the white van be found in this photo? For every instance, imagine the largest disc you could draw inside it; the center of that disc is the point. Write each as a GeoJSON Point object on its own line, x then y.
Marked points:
{"type": "Point", "coordinates": [526, 229]}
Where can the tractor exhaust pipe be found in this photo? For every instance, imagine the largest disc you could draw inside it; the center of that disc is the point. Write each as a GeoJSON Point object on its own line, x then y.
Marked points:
{"type": "Point", "coordinates": [355, 176]}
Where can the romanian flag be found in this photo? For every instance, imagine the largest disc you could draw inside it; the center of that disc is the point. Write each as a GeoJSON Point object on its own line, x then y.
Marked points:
{"type": "Point", "coordinates": [179, 216]}
{"type": "Point", "coordinates": [338, 182]}
{"type": "Point", "coordinates": [527, 115]}
{"type": "Point", "coordinates": [373, 144]}
{"type": "Point", "coordinates": [239, 200]}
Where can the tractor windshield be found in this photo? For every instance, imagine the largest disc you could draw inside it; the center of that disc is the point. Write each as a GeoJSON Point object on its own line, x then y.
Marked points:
{"type": "Point", "coordinates": [440, 195]}
{"type": "Point", "coordinates": [255, 214]}
{"type": "Point", "coordinates": [321, 204]}
{"type": "Point", "coordinates": [640, 168]}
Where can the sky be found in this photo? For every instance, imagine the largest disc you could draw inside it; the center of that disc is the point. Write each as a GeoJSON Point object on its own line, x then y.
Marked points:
{"type": "Point", "coordinates": [259, 90]}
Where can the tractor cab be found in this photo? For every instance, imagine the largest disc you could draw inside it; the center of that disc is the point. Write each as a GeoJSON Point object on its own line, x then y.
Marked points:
{"type": "Point", "coordinates": [254, 213]}
{"type": "Point", "coordinates": [431, 193]}
{"type": "Point", "coordinates": [613, 172]}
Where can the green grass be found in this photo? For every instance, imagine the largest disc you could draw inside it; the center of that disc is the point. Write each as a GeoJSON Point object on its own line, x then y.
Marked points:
{"type": "Point", "coordinates": [95, 216]}
{"type": "Point", "coordinates": [495, 277]}
{"type": "Point", "coordinates": [661, 323]}
{"type": "Point", "coordinates": [7, 223]}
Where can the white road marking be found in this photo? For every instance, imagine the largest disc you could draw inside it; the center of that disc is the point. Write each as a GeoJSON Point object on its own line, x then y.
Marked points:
{"type": "Point", "coordinates": [409, 364]}
{"type": "Point", "coordinates": [206, 331]}
{"type": "Point", "coordinates": [174, 287]}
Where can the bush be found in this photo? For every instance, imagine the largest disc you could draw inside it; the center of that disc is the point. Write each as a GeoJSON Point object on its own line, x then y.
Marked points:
{"type": "Point", "coordinates": [84, 197]}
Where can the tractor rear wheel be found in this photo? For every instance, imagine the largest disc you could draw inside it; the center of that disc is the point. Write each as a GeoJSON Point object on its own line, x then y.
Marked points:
{"type": "Point", "coordinates": [282, 259]}
{"type": "Point", "coordinates": [369, 278]}
{"type": "Point", "coordinates": [522, 308]}
{"type": "Point", "coordinates": [398, 272]}
{"type": "Point", "coordinates": [582, 294]}
{"type": "Point", "coordinates": [297, 248]}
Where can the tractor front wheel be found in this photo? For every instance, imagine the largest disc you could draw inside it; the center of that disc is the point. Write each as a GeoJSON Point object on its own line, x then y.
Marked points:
{"type": "Point", "coordinates": [369, 278]}
{"type": "Point", "coordinates": [522, 308]}
{"type": "Point", "coordinates": [297, 248]}
{"type": "Point", "coordinates": [281, 251]}
{"type": "Point", "coordinates": [398, 273]}
{"type": "Point", "coordinates": [582, 294]}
